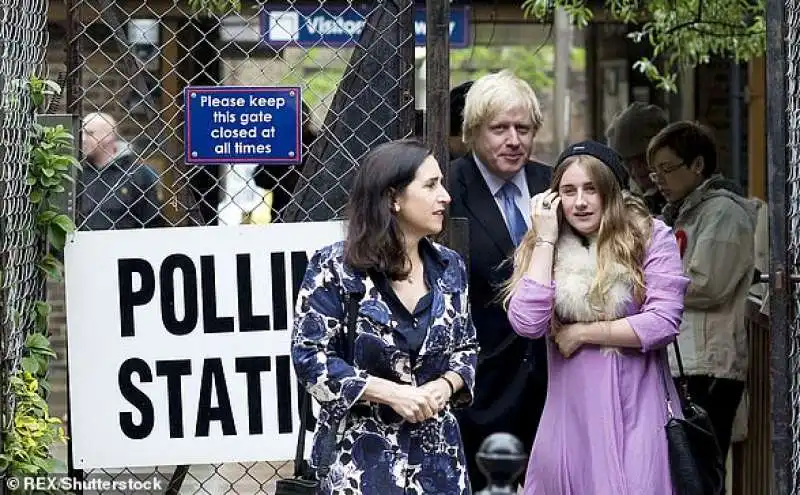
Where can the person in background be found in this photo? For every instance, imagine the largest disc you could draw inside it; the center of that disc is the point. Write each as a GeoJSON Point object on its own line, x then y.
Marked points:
{"type": "Point", "coordinates": [458, 97]}
{"type": "Point", "coordinates": [415, 347]}
{"type": "Point", "coordinates": [629, 134]}
{"type": "Point", "coordinates": [715, 231]}
{"type": "Point", "coordinates": [760, 289]}
{"type": "Point", "coordinates": [114, 190]}
{"type": "Point", "coordinates": [600, 281]}
{"type": "Point", "coordinates": [491, 187]}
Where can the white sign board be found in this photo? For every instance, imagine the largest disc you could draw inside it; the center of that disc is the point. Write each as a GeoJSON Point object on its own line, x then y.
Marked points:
{"type": "Point", "coordinates": [178, 342]}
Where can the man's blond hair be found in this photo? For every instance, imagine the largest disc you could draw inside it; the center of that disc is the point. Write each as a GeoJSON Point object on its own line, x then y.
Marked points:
{"type": "Point", "coordinates": [493, 94]}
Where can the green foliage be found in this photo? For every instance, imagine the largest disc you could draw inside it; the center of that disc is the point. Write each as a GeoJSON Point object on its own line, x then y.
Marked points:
{"type": "Point", "coordinates": [322, 75]}
{"type": "Point", "coordinates": [211, 7]}
{"type": "Point", "coordinates": [50, 168]}
{"type": "Point", "coordinates": [682, 33]}
{"type": "Point", "coordinates": [26, 446]}
{"type": "Point", "coordinates": [40, 89]}
{"type": "Point", "coordinates": [37, 347]}
{"type": "Point", "coordinates": [533, 66]}
{"type": "Point", "coordinates": [31, 432]}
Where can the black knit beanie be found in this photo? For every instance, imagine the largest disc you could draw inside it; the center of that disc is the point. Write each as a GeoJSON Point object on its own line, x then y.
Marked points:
{"type": "Point", "coordinates": [608, 156]}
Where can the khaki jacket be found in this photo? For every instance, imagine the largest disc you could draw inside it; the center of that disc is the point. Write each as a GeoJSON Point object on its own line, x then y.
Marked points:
{"type": "Point", "coordinates": [761, 290]}
{"type": "Point", "coordinates": [718, 227]}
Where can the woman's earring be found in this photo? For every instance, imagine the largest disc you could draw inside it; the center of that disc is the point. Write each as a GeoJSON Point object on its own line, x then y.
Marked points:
{"type": "Point", "coordinates": [396, 208]}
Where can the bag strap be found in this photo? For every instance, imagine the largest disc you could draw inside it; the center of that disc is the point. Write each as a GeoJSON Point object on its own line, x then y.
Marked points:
{"type": "Point", "coordinates": [678, 359]}
{"type": "Point", "coordinates": [352, 302]}
{"type": "Point", "coordinates": [505, 344]}
{"type": "Point", "coordinates": [299, 462]}
{"type": "Point", "coordinates": [682, 382]}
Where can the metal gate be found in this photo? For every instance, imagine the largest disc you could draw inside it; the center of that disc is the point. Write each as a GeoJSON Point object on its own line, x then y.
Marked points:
{"type": "Point", "coordinates": [130, 60]}
{"type": "Point", "coordinates": [783, 162]}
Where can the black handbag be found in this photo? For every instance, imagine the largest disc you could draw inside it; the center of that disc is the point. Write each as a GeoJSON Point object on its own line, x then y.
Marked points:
{"type": "Point", "coordinates": [305, 479]}
{"type": "Point", "coordinates": [696, 462]}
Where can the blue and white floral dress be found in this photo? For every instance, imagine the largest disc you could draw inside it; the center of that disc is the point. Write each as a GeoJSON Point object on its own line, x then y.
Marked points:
{"type": "Point", "coordinates": [375, 451]}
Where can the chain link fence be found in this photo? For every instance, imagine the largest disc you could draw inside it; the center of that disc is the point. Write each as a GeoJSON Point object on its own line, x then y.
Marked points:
{"type": "Point", "coordinates": [127, 66]}
{"type": "Point", "coordinates": [23, 40]}
{"type": "Point", "coordinates": [793, 177]}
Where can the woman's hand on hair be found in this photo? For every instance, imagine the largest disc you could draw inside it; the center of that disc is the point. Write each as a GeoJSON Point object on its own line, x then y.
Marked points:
{"type": "Point", "coordinates": [569, 338]}
{"type": "Point", "coordinates": [545, 220]}
{"type": "Point", "coordinates": [414, 404]}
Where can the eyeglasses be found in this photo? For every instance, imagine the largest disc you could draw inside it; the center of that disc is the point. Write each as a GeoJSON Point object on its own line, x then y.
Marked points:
{"type": "Point", "coordinates": [660, 173]}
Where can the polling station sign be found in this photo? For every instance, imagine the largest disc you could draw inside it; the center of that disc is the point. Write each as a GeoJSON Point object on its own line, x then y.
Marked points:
{"type": "Point", "coordinates": [238, 124]}
{"type": "Point", "coordinates": [179, 342]}
{"type": "Point", "coordinates": [341, 25]}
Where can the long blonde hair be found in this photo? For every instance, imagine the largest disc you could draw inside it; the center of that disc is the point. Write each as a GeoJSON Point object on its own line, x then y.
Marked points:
{"type": "Point", "coordinates": [625, 228]}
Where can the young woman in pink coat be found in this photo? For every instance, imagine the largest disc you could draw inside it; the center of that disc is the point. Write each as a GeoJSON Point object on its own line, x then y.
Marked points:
{"type": "Point", "coordinates": [603, 282]}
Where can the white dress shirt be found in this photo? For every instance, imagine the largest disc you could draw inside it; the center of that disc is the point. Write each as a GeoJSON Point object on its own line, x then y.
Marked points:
{"type": "Point", "coordinates": [495, 183]}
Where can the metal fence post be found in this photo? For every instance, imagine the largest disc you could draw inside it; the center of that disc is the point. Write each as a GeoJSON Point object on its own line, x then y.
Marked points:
{"type": "Point", "coordinates": [776, 70]}
{"type": "Point", "coordinates": [437, 111]}
{"type": "Point", "coordinates": [437, 90]}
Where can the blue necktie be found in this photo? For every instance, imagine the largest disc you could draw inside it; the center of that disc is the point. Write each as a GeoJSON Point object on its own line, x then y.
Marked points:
{"type": "Point", "coordinates": [514, 219]}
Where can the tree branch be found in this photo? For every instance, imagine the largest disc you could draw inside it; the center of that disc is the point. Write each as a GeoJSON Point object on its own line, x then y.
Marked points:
{"type": "Point", "coordinates": [694, 26]}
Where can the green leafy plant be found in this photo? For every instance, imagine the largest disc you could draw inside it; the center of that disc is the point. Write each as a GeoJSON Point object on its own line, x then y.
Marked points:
{"type": "Point", "coordinates": [215, 6]}
{"type": "Point", "coordinates": [40, 89]}
{"type": "Point", "coordinates": [37, 347]}
{"type": "Point", "coordinates": [31, 432]}
{"type": "Point", "coordinates": [49, 169]}
{"type": "Point", "coordinates": [681, 33]}
{"type": "Point", "coordinates": [26, 443]}
{"type": "Point", "coordinates": [535, 66]}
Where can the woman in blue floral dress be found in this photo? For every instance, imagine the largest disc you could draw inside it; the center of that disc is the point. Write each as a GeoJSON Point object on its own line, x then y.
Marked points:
{"type": "Point", "coordinates": [385, 425]}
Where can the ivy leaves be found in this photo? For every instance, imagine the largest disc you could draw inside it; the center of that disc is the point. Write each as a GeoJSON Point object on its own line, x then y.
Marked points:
{"type": "Point", "coordinates": [50, 169]}
{"type": "Point", "coordinates": [30, 433]}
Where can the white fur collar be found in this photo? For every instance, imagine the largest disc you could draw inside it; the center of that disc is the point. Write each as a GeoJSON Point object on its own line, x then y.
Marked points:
{"type": "Point", "coordinates": [574, 271]}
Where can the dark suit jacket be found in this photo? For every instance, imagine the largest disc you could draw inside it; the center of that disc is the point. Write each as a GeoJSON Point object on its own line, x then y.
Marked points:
{"type": "Point", "coordinates": [511, 376]}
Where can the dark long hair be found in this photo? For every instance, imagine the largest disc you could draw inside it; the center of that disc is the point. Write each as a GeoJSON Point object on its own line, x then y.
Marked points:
{"type": "Point", "coordinates": [374, 240]}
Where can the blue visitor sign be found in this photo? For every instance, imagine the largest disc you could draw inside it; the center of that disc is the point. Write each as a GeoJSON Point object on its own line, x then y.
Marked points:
{"type": "Point", "coordinates": [335, 26]}
{"type": "Point", "coordinates": [238, 124]}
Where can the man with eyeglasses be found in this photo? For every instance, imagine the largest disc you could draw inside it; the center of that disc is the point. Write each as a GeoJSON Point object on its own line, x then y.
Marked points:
{"type": "Point", "coordinates": [714, 227]}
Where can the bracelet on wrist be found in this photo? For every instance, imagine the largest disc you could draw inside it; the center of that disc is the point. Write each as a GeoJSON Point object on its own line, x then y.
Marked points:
{"type": "Point", "coordinates": [539, 241]}
{"type": "Point", "coordinates": [449, 384]}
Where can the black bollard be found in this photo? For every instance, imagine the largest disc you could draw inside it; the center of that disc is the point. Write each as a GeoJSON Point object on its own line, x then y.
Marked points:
{"type": "Point", "coordinates": [501, 459]}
